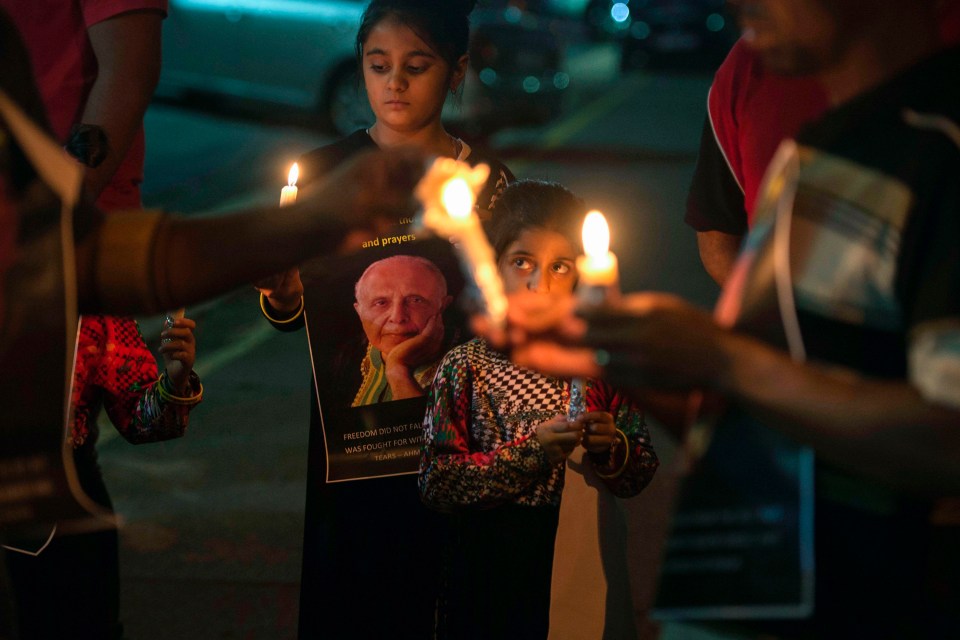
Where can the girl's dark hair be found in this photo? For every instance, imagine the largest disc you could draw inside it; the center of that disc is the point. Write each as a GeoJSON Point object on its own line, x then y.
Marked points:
{"type": "Point", "coordinates": [535, 204]}
{"type": "Point", "coordinates": [442, 24]}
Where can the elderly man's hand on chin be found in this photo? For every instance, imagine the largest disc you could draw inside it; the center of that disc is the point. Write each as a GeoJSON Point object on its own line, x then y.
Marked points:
{"type": "Point", "coordinates": [421, 349]}
{"type": "Point", "coordinates": [400, 301]}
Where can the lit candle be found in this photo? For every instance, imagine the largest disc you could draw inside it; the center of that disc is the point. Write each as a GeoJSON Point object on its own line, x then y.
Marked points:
{"type": "Point", "coordinates": [597, 269]}
{"type": "Point", "coordinates": [448, 192]}
{"type": "Point", "coordinates": [598, 283]}
{"type": "Point", "coordinates": [288, 195]}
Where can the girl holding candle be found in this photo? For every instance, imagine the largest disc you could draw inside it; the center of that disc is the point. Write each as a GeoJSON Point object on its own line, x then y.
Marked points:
{"type": "Point", "coordinates": [115, 371]}
{"type": "Point", "coordinates": [496, 438]}
{"type": "Point", "coordinates": [412, 53]}
{"type": "Point", "coordinates": [363, 571]}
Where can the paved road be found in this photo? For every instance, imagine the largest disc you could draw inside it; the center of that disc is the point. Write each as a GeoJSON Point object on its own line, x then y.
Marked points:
{"type": "Point", "coordinates": [211, 546]}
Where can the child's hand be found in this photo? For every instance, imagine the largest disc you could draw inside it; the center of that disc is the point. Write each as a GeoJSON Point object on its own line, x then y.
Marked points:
{"type": "Point", "coordinates": [179, 351]}
{"type": "Point", "coordinates": [599, 431]}
{"type": "Point", "coordinates": [559, 438]}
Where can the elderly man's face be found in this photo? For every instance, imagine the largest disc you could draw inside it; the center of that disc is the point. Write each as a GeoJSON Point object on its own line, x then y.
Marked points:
{"type": "Point", "coordinates": [396, 301]}
{"type": "Point", "coordinates": [797, 37]}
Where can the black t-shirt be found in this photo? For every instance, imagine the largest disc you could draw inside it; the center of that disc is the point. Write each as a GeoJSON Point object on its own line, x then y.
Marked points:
{"type": "Point", "coordinates": [314, 164]}
{"type": "Point", "coordinates": [715, 201]}
{"type": "Point", "coordinates": [874, 267]}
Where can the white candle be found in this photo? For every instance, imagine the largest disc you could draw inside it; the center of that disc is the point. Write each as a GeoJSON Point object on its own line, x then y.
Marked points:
{"type": "Point", "coordinates": [598, 283]}
{"type": "Point", "coordinates": [448, 192]}
{"type": "Point", "coordinates": [598, 268]}
{"type": "Point", "coordinates": [288, 195]}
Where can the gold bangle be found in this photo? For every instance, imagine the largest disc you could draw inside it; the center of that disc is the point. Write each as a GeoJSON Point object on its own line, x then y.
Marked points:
{"type": "Point", "coordinates": [626, 459]}
{"type": "Point", "coordinates": [168, 397]}
{"type": "Point", "coordinates": [263, 308]}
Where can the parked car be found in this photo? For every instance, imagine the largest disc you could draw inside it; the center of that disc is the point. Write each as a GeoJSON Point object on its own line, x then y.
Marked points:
{"type": "Point", "coordinates": [516, 72]}
{"type": "Point", "coordinates": [300, 56]}
{"type": "Point", "coordinates": [687, 34]}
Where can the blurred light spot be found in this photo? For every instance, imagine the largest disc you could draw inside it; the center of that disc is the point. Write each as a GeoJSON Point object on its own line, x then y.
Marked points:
{"type": "Point", "coordinates": [640, 30]}
{"type": "Point", "coordinates": [715, 22]}
{"type": "Point", "coordinates": [561, 80]}
{"type": "Point", "coordinates": [487, 76]}
{"type": "Point", "coordinates": [620, 12]}
{"type": "Point", "coordinates": [512, 14]}
{"type": "Point", "coordinates": [531, 84]}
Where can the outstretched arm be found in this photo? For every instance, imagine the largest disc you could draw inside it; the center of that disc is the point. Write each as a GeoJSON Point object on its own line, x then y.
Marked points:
{"type": "Point", "coordinates": [882, 428]}
{"type": "Point", "coordinates": [136, 262]}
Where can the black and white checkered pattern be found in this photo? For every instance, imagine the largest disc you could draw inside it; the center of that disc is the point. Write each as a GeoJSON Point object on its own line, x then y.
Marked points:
{"type": "Point", "coordinates": [512, 401]}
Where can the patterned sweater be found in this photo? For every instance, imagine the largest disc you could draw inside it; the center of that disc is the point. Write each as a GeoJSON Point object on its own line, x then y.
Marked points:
{"type": "Point", "coordinates": [115, 370]}
{"type": "Point", "coordinates": [480, 446]}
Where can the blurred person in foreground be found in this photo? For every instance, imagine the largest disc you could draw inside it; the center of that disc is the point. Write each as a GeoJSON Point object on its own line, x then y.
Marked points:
{"type": "Point", "coordinates": [750, 111]}
{"type": "Point", "coordinates": [840, 323]}
{"type": "Point", "coordinates": [96, 63]}
{"type": "Point", "coordinates": [134, 262]}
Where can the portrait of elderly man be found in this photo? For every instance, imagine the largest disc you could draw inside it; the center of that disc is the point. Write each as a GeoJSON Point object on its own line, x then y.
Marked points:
{"type": "Point", "coordinates": [400, 301]}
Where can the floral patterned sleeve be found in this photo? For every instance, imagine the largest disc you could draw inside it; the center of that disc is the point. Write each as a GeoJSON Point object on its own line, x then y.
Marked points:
{"type": "Point", "coordinates": [452, 474]}
{"type": "Point", "coordinates": [625, 470]}
{"type": "Point", "coordinates": [115, 368]}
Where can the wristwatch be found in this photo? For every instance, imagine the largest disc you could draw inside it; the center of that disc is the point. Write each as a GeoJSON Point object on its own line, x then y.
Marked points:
{"type": "Point", "coordinates": [88, 143]}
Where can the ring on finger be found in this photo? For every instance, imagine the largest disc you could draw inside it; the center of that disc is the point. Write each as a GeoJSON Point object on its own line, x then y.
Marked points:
{"type": "Point", "coordinates": [601, 357]}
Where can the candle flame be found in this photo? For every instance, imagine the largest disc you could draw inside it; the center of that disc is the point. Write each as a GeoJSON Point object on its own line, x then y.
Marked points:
{"type": "Point", "coordinates": [293, 175]}
{"type": "Point", "coordinates": [596, 235]}
{"type": "Point", "coordinates": [457, 198]}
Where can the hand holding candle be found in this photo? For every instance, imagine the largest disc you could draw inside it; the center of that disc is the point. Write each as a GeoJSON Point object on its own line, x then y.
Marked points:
{"type": "Point", "coordinates": [598, 284]}
{"type": "Point", "coordinates": [448, 192]}
{"type": "Point", "coordinates": [597, 269]}
{"type": "Point", "coordinates": [283, 291]}
{"type": "Point", "coordinates": [288, 195]}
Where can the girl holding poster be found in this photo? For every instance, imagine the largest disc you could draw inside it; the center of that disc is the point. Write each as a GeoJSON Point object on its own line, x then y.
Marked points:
{"type": "Point", "coordinates": [496, 438]}
{"type": "Point", "coordinates": [363, 572]}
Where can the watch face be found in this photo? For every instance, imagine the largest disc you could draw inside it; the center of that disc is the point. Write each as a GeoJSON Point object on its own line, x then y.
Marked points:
{"type": "Point", "coordinates": [88, 144]}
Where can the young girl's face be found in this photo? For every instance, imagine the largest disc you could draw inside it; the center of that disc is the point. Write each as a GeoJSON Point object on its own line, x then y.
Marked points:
{"type": "Point", "coordinates": [539, 260]}
{"type": "Point", "coordinates": [407, 82]}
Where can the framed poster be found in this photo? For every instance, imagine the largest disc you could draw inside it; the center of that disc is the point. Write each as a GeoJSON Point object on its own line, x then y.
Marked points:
{"type": "Point", "coordinates": [379, 321]}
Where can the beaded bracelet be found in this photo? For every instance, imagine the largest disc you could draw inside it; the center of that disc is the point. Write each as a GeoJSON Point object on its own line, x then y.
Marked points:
{"type": "Point", "coordinates": [263, 308]}
{"type": "Point", "coordinates": [166, 394]}
{"type": "Point", "coordinates": [626, 458]}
